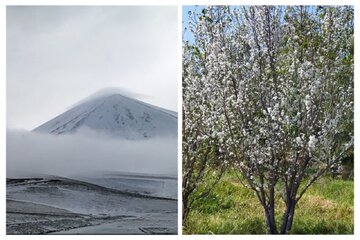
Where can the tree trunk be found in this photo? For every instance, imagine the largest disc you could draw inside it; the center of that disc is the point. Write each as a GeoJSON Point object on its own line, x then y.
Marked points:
{"type": "Point", "coordinates": [288, 216]}
{"type": "Point", "coordinates": [185, 209]}
{"type": "Point", "coordinates": [270, 220]}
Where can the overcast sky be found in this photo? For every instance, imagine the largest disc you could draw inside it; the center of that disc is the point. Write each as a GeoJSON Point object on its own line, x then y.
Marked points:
{"type": "Point", "coordinates": [59, 55]}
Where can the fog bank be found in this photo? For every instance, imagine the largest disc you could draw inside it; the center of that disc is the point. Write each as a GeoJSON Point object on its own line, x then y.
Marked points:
{"type": "Point", "coordinates": [33, 154]}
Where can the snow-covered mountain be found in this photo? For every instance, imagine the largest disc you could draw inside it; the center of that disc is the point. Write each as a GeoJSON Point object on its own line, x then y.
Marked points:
{"type": "Point", "coordinates": [116, 115]}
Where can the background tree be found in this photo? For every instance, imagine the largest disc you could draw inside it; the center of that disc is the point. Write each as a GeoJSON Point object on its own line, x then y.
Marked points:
{"type": "Point", "coordinates": [274, 87]}
{"type": "Point", "coordinates": [201, 156]}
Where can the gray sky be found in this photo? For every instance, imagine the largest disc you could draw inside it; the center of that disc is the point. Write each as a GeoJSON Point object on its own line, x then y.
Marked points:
{"type": "Point", "coordinates": [59, 55]}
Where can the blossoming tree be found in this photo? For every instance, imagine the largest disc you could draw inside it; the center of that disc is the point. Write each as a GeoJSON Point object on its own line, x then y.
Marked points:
{"type": "Point", "coordinates": [272, 89]}
{"type": "Point", "coordinates": [201, 158]}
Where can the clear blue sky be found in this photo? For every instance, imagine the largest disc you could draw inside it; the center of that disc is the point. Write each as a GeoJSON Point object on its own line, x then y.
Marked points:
{"type": "Point", "coordinates": [185, 21]}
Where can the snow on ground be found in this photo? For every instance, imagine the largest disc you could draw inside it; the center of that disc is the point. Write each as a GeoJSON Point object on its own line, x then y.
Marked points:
{"type": "Point", "coordinates": [58, 205]}
{"type": "Point", "coordinates": [146, 184]}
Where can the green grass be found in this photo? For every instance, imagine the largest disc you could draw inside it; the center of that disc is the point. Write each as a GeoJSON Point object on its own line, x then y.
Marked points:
{"type": "Point", "coordinates": [326, 208]}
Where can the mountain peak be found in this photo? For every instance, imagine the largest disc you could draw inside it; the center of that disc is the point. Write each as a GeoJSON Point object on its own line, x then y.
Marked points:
{"type": "Point", "coordinates": [113, 113]}
{"type": "Point", "coordinates": [110, 91]}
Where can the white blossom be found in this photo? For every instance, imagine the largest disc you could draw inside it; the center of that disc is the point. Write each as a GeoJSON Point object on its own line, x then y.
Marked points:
{"type": "Point", "coordinates": [312, 142]}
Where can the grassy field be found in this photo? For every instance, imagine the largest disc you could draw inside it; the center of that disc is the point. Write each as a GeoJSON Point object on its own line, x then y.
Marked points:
{"type": "Point", "coordinates": [327, 208]}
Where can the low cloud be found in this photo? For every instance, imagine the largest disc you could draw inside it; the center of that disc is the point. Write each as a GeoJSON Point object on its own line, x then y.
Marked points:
{"type": "Point", "coordinates": [34, 154]}
{"type": "Point", "coordinates": [109, 91]}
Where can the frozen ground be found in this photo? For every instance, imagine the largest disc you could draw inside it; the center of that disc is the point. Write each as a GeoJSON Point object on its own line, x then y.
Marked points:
{"type": "Point", "coordinates": [67, 206]}
{"type": "Point", "coordinates": [145, 184]}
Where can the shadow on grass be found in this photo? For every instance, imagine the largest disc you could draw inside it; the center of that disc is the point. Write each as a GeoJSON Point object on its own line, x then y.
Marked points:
{"type": "Point", "coordinates": [322, 227]}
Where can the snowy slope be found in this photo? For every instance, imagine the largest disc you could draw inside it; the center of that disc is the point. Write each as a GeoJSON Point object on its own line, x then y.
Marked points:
{"type": "Point", "coordinates": [56, 205]}
{"type": "Point", "coordinates": [115, 115]}
{"type": "Point", "coordinates": [154, 185]}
